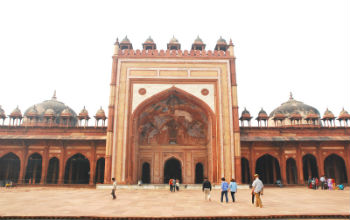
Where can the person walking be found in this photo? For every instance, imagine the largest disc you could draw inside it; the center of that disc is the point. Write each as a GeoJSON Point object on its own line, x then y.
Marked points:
{"type": "Point", "coordinates": [233, 189]}
{"type": "Point", "coordinates": [206, 188]}
{"type": "Point", "coordinates": [174, 185]}
{"type": "Point", "coordinates": [114, 188]}
{"type": "Point", "coordinates": [171, 184]}
{"type": "Point", "coordinates": [177, 185]}
{"type": "Point", "coordinates": [224, 188]}
{"type": "Point", "coordinates": [322, 182]}
{"type": "Point", "coordinates": [257, 190]}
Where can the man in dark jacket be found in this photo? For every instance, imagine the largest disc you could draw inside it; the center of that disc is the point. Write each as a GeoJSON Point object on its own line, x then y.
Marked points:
{"type": "Point", "coordinates": [206, 188]}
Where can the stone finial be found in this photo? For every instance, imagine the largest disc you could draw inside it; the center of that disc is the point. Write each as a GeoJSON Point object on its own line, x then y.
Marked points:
{"type": "Point", "coordinates": [290, 96]}
{"type": "Point", "coordinates": [54, 95]}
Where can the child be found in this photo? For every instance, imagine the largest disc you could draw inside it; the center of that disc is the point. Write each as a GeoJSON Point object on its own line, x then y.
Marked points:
{"type": "Point", "coordinates": [114, 188]}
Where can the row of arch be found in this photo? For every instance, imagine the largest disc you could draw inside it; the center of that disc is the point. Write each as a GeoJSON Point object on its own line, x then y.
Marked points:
{"type": "Point", "coordinates": [269, 169]}
{"type": "Point", "coordinates": [77, 169]}
{"type": "Point", "coordinates": [172, 170]}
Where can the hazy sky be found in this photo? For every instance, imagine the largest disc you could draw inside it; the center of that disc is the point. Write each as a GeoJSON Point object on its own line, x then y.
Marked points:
{"type": "Point", "coordinates": [281, 46]}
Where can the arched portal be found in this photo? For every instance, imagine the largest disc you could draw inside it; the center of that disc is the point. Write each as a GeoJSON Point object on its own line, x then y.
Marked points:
{"type": "Point", "coordinates": [146, 173]}
{"type": "Point", "coordinates": [9, 167]}
{"type": "Point", "coordinates": [100, 170]}
{"type": "Point", "coordinates": [172, 170]}
{"type": "Point", "coordinates": [33, 170]}
{"type": "Point", "coordinates": [268, 169]}
{"type": "Point", "coordinates": [245, 170]}
{"type": "Point", "coordinates": [309, 166]}
{"type": "Point", "coordinates": [53, 171]}
{"type": "Point", "coordinates": [334, 167]}
{"type": "Point", "coordinates": [171, 121]}
{"type": "Point", "coordinates": [291, 171]}
{"type": "Point", "coordinates": [199, 173]}
{"type": "Point", "coordinates": [77, 170]}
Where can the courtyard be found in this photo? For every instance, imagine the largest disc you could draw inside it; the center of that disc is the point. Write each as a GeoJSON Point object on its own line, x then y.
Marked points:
{"type": "Point", "coordinates": [63, 201]}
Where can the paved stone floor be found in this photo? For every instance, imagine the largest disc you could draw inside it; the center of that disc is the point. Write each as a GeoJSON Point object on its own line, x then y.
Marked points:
{"type": "Point", "coordinates": [59, 201]}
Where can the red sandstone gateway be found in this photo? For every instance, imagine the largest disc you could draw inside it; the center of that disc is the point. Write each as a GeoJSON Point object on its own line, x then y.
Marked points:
{"type": "Point", "coordinates": [172, 114]}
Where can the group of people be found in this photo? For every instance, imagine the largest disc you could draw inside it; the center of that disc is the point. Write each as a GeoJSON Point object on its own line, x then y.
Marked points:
{"type": "Point", "coordinates": [174, 185]}
{"type": "Point", "coordinates": [323, 183]}
{"type": "Point", "coordinates": [257, 190]}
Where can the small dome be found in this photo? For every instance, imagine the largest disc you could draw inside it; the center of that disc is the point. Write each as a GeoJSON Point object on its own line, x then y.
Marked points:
{"type": "Point", "coordinates": [125, 40]}
{"type": "Point", "coordinates": [262, 113]}
{"type": "Point", "coordinates": [344, 114]}
{"type": "Point", "coordinates": [328, 114]}
{"type": "Point", "coordinates": [2, 113]}
{"type": "Point", "coordinates": [221, 41]}
{"type": "Point", "coordinates": [49, 112]}
{"type": "Point", "coordinates": [198, 40]}
{"type": "Point", "coordinates": [245, 115]}
{"type": "Point", "coordinates": [312, 115]}
{"type": "Point", "coordinates": [295, 115]}
{"type": "Point", "coordinates": [32, 112]}
{"type": "Point", "coordinates": [100, 113]}
{"type": "Point", "coordinates": [66, 113]}
{"type": "Point", "coordinates": [294, 106]}
{"type": "Point", "coordinates": [16, 113]}
{"type": "Point", "coordinates": [149, 40]}
{"type": "Point", "coordinates": [84, 112]}
{"type": "Point", "coordinates": [173, 40]}
{"type": "Point", "coordinates": [279, 115]}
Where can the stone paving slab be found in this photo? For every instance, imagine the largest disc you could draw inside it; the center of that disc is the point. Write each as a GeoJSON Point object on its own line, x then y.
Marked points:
{"type": "Point", "coordinates": [58, 201]}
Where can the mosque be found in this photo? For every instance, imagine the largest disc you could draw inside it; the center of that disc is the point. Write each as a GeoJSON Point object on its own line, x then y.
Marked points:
{"type": "Point", "coordinates": [172, 114]}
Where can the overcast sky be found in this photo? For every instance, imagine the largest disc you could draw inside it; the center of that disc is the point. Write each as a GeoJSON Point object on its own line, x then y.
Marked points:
{"type": "Point", "coordinates": [301, 46]}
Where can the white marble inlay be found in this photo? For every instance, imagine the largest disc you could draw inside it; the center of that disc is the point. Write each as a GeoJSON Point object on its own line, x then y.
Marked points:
{"type": "Point", "coordinates": [153, 89]}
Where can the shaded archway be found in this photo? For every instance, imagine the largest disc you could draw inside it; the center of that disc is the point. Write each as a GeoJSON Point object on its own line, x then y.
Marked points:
{"type": "Point", "coordinates": [77, 170]}
{"type": "Point", "coordinates": [100, 170]}
{"type": "Point", "coordinates": [334, 167]}
{"type": "Point", "coordinates": [171, 117]}
{"type": "Point", "coordinates": [199, 173]}
{"type": "Point", "coordinates": [9, 167]}
{"type": "Point", "coordinates": [268, 169]}
{"type": "Point", "coordinates": [172, 169]}
{"type": "Point", "coordinates": [291, 171]}
{"type": "Point", "coordinates": [245, 171]}
{"type": "Point", "coordinates": [53, 171]}
{"type": "Point", "coordinates": [33, 170]}
{"type": "Point", "coordinates": [309, 166]}
{"type": "Point", "coordinates": [146, 173]}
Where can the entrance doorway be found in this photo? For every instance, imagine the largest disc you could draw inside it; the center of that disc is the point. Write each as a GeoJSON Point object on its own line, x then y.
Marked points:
{"type": "Point", "coordinates": [334, 167]}
{"type": "Point", "coordinates": [268, 169]}
{"type": "Point", "coordinates": [172, 169]}
{"type": "Point", "coordinates": [199, 173]}
{"type": "Point", "coordinates": [309, 167]}
{"type": "Point", "coordinates": [146, 173]}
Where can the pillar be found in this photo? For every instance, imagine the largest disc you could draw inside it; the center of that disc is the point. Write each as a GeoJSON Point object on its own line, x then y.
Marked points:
{"type": "Point", "coordinates": [111, 111]}
{"type": "Point", "coordinates": [299, 161]}
{"type": "Point", "coordinates": [23, 165]}
{"type": "Point", "coordinates": [236, 172]}
{"type": "Point", "coordinates": [283, 165]}
{"type": "Point", "coordinates": [61, 165]}
{"type": "Point", "coordinates": [319, 159]}
{"type": "Point", "coordinates": [92, 164]}
{"type": "Point", "coordinates": [44, 166]}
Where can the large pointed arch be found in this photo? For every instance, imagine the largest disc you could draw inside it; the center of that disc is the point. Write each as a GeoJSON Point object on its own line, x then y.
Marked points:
{"type": "Point", "coordinates": [132, 139]}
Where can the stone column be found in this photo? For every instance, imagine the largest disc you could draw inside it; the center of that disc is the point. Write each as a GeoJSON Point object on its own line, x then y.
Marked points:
{"type": "Point", "coordinates": [283, 165]}
{"type": "Point", "coordinates": [23, 165]}
{"type": "Point", "coordinates": [92, 164]}
{"type": "Point", "coordinates": [44, 166]}
{"type": "Point", "coordinates": [299, 161]}
{"type": "Point", "coordinates": [62, 165]}
{"type": "Point", "coordinates": [319, 160]}
{"type": "Point", "coordinates": [111, 111]}
{"type": "Point", "coordinates": [236, 131]}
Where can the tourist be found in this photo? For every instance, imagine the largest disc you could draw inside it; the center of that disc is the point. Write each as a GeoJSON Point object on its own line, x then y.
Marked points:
{"type": "Point", "coordinates": [174, 185]}
{"type": "Point", "coordinates": [313, 183]}
{"type": "Point", "coordinates": [330, 184]}
{"type": "Point", "coordinates": [233, 189]}
{"type": "Point", "coordinates": [257, 190]}
{"type": "Point", "coordinates": [177, 185]}
{"type": "Point", "coordinates": [224, 188]}
{"type": "Point", "coordinates": [323, 181]}
{"type": "Point", "coordinates": [206, 188]}
{"type": "Point", "coordinates": [114, 188]}
{"type": "Point", "coordinates": [309, 182]}
{"type": "Point", "coordinates": [171, 184]}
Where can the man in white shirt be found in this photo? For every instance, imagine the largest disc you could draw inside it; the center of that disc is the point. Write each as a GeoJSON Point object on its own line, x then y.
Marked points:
{"type": "Point", "coordinates": [257, 190]}
{"type": "Point", "coordinates": [114, 188]}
